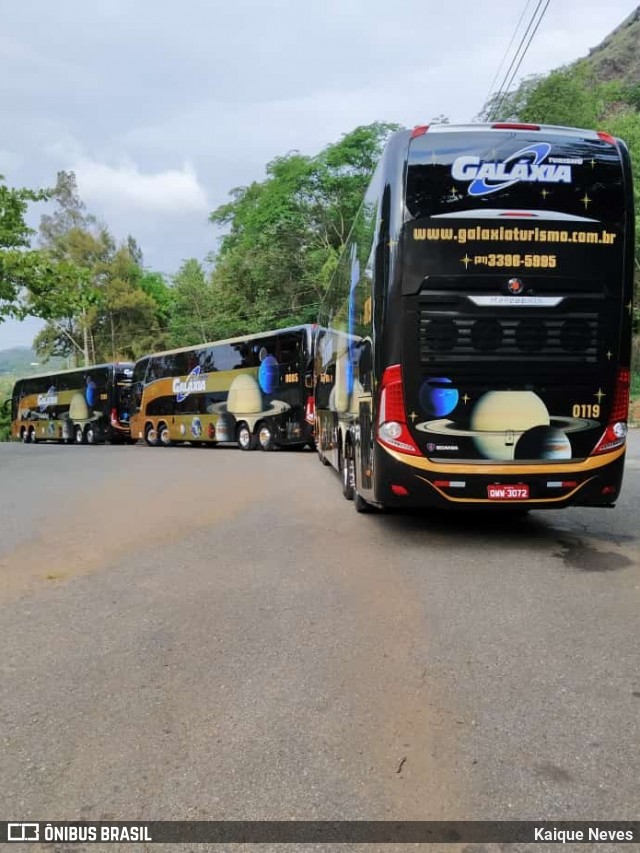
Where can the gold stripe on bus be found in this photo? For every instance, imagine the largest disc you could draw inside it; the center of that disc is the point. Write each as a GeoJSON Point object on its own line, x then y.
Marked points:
{"type": "Point", "coordinates": [504, 503]}
{"type": "Point", "coordinates": [473, 469]}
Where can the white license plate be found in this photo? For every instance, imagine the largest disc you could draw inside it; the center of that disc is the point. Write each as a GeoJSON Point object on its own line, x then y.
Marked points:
{"type": "Point", "coordinates": [496, 492]}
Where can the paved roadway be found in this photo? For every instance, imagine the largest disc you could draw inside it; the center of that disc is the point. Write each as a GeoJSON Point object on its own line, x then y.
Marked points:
{"type": "Point", "coordinates": [204, 633]}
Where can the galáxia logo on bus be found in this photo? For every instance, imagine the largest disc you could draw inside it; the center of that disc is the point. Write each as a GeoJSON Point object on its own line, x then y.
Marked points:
{"type": "Point", "coordinates": [528, 166]}
{"type": "Point", "coordinates": [182, 388]}
{"type": "Point", "coordinates": [48, 399]}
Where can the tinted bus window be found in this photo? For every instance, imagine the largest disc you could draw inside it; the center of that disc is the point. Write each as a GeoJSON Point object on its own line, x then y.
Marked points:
{"type": "Point", "coordinates": [471, 172]}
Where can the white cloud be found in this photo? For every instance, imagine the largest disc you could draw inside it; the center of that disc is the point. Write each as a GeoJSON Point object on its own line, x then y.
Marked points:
{"type": "Point", "coordinates": [171, 192]}
{"type": "Point", "coordinates": [9, 160]}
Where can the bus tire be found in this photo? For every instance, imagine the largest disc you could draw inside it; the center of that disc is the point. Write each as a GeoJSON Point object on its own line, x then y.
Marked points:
{"type": "Point", "coordinates": [151, 435]}
{"type": "Point", "coordinates": [79, 436]}
{"type": "Point", "coordinates": [347, 472]}
{"type": "Point", "coordinates": [32, 435]}
{"type": "Point", "coordinates": [245, 438]}
{"type": "Point", "coordinates": [164, 437]}
{"type": "Point", "coordinates": [90, 434]}
{"type": "Point", "coordinates": [265, 437]}
{"type": "Point", "coordinates": [25, 436]}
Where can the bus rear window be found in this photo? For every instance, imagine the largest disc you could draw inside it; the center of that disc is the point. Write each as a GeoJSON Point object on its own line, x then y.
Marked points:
{"type": "Point", "coordinates": [492, 173]}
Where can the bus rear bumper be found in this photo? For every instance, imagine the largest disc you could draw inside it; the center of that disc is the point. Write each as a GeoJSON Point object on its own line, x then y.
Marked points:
{"type": "Point", "coordinates": [414, 482]}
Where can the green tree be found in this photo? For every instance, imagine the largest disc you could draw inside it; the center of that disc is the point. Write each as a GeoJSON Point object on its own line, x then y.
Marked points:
{"type": "Point", "coordinates": [22, 269]}
{"type": "Point", "coordinates": [194, 310]}
{"type": "Point", "coordinates": [5, 413]}
{"type": "Point", "coordinates": [72, 237]}
{"type": "Point", "coordinates": [126, 321]}
{"type": "Point", "coordinates": [285, 233]}
{"type": "Point", "coordinates": [112, 308]}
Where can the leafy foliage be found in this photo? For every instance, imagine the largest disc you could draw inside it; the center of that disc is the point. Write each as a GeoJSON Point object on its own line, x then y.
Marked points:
{"type": "Point", "coordinates": [194, 307]}
{"type": "Point", "coordinates": [282, 242]}
{"type": "Point", "coordinates": [285, 233]}
{"type": "Point", "coordinates": [6, 384]}
{"type": "Point", "coordinates": [107, 308]}
{"type": "Point", "coordinates": [20, 267]}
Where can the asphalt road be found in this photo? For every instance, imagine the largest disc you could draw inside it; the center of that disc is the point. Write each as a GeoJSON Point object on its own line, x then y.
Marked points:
{"type": "Point", "coordinates": [210, 634]}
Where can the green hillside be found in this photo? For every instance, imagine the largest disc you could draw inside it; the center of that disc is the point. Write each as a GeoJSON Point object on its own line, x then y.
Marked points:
{"type": "Point", "coordinates": [618, 56]}
{"type": "Point", "coordinates": [21, 361]}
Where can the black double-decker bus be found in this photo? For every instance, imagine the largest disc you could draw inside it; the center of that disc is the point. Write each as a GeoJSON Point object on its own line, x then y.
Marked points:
{"type": "Point", "coordinates": [253, 390]}
{"type": "Point", "coordinates": [87, 405]}
{"type": "Point", "coordinates": [474, 347]}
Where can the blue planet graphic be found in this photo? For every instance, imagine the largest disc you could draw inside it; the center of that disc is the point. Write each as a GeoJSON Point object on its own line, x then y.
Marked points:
{"type": "Point", "coordinates": [269, 375]}
{"type": "Point", "coordinates": [438, 397]}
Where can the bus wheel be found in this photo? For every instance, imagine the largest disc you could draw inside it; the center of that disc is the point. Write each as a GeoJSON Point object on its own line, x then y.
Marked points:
{"type": "Point", "coordinates": [151, 436]}
{"type": "Point", "coordinates": [79, 435]}
{"type": "Point", "coordinates": [245, 438]}
{"type": "Point", "coordinates": [265, 438]}
{"type": "Point", "coordinates": [164, 437]}
{"type": "Point", "coordinates": [32, 435]}
{"type": "Point", "coordinates": [25, 435]}
{"type": "Point", "coordinates": [90, 434]}
{"type": "Point", "coordinates": [348, 474]}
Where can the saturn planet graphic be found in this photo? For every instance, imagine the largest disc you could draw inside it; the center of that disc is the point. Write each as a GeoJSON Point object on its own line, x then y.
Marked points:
{"type": "Point", "coordinates": [510, 425]}
{"type": "Point", "coordinates": [245, 402]}
{"type": "Point", "coordinates": [78, 409]}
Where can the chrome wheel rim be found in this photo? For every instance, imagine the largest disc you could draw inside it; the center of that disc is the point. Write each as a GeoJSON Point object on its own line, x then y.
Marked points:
{"type": "Point", "coordinates": [264, 436]}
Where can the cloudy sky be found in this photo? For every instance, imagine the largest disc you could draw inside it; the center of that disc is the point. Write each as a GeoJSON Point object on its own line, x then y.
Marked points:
{"type": "Point", "coordinates": [161, 108]}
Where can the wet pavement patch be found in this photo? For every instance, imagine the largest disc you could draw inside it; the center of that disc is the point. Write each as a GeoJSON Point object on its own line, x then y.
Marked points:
{"type": "Point", "coordinates": [552, 773]}
{"type": "Point", "coordinates": [579, 555]}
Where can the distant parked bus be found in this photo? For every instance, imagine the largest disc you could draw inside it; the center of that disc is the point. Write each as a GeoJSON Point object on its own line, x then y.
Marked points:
{"type": "Point", "coordinates": [474, 347]}
{"type": "Point", "coordinates": [255, 390]}
{"type": "Point", "coordinates": [87, 405]}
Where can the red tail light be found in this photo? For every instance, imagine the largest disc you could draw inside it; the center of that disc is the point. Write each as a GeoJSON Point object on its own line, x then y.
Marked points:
{"type": "Point", "coordinates": [620, 408]}
{"type": "Point", "coordinates": [606, 137]}
{"type": "Point", "coordinates": [400, 491]}
{"type": "Point", "coordinates": [615, 434]}
{"type": "Point", "coordinates": [114, 417]}
{"type": "Point", "coordinates": [420, 130]}
{"type": "Point", "coordinates": [310, 410]}
{"type": "Point", "coordinates": [393, 431]}
{"type": "Point", "coordinates": [511, 125]}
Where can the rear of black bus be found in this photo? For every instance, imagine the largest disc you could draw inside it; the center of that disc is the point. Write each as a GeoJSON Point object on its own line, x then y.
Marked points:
{"type": "Point", "coordinates": [121, 403]}
{"type": "Point", "coordinates": [514, 313]}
